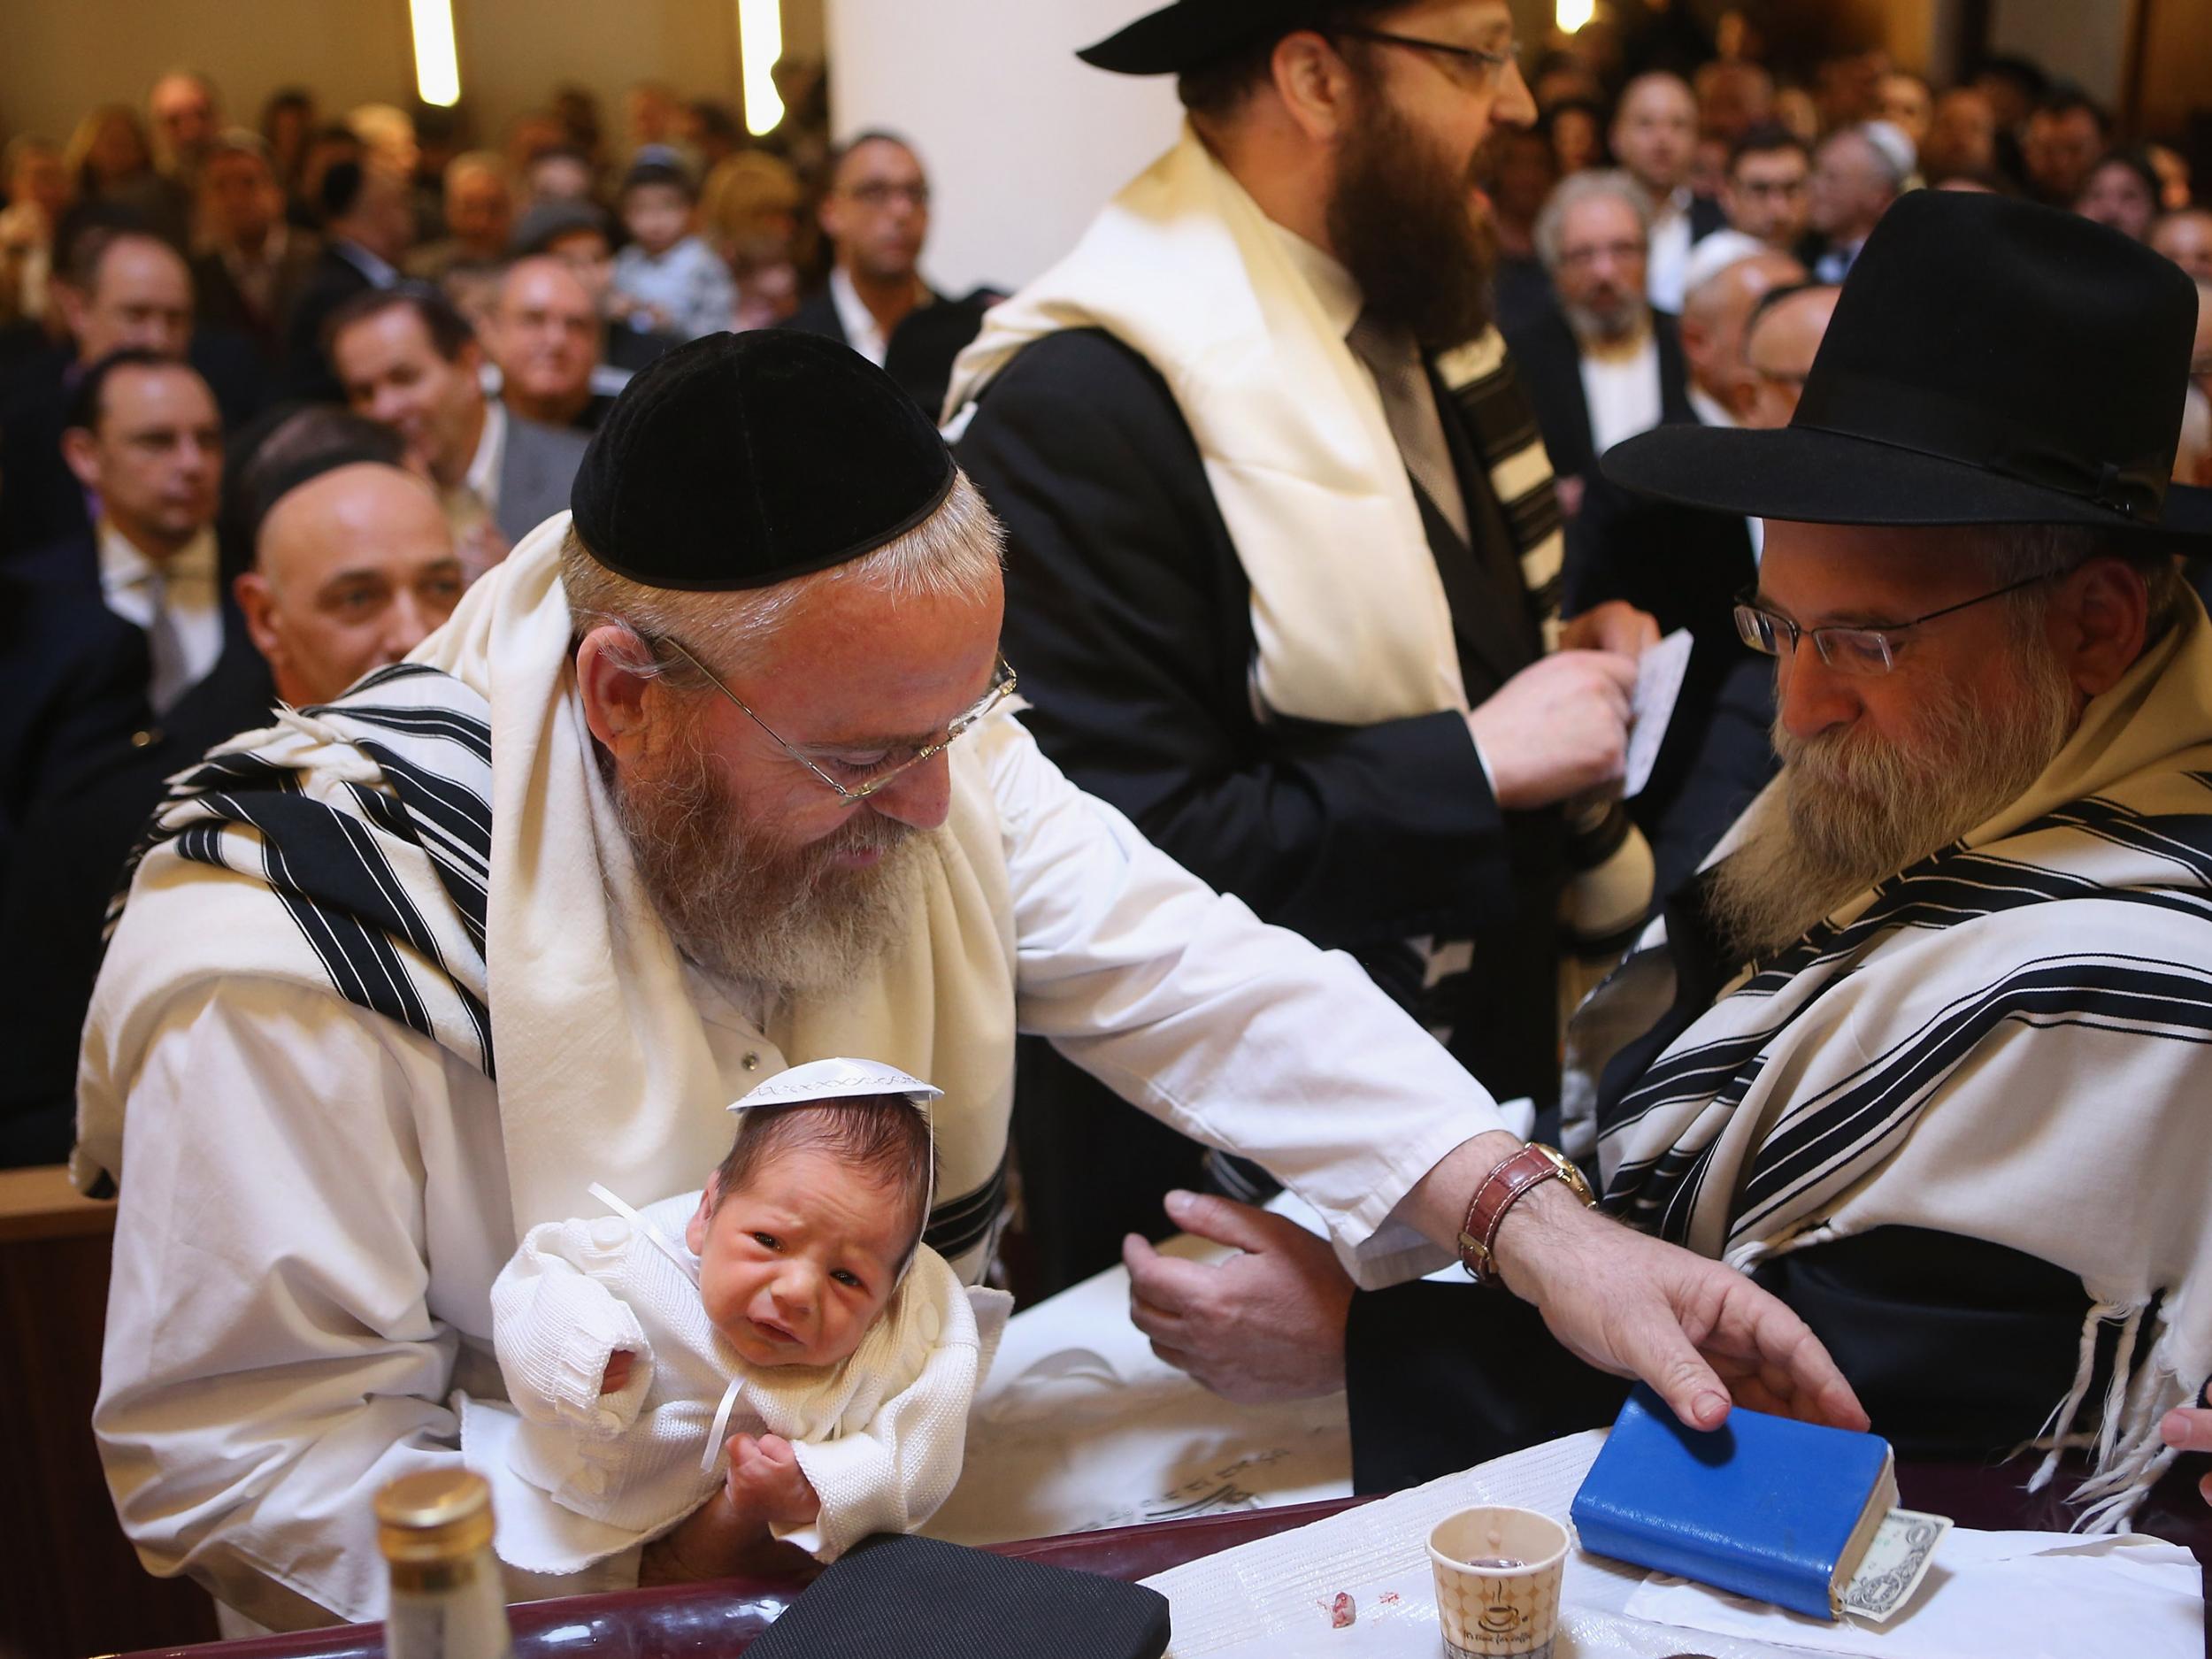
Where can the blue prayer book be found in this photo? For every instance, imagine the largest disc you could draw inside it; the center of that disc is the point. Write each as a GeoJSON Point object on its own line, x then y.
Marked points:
{"type": "Point", "coordinates": [1764, 1506]}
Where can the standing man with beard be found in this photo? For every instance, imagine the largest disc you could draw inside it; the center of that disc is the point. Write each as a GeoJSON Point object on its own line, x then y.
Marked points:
{"type": "Point", "coordinates": [1605, 365]}
{"type": "Point", "coordinates": [1922, 1051]}
{"type": "Point", "coordinates": [1284, 560]}
{"type": "Point", "coordinates": [714, 777]}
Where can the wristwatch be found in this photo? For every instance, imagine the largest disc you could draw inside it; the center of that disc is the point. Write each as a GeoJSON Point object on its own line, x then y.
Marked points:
{"type": "Point", "coordinates": [1531, 1166]}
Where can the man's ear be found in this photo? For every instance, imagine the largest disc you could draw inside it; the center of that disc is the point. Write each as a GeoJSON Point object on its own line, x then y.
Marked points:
{"type": "Point", "coordinates": [72, 306]}
{"type": "Point", "coordinates": [615, 694]}
{"type": "Point", "coordinates": [1315, 84]}
{"type": "Point", "coordinates": [81, 451]}
{"type": "Point", "coordinates": [256, 602]}
{"type": "Point", "coordinates": [2100, 622]}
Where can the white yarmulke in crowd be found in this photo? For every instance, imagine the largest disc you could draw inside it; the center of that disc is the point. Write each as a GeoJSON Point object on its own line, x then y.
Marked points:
{"type": "Point", "coordinates": [1714, 254]}
{"type": "Point", "coordinates": [1896, 148]}
{"type": "Point", "coordinates": [836, 1080]}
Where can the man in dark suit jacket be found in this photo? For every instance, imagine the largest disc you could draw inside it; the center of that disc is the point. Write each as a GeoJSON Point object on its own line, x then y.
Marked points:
{"type": "Point", "coordinates": [1604, 366]}
{"type": "Point", "coordinates": [368, 223]}
{"type": "Point", "coordinates": [408, 360]}
{"type": "Point", "coordinates": [254, 267]}
{"type": "Point", "coordinates": [876, 215]}
{"type": "Point", "coordinates": [125, 662]}
{"type": "Point", "coordinates": [1130, 615]}
{"type": "Point", "coordinates": [118, 285]}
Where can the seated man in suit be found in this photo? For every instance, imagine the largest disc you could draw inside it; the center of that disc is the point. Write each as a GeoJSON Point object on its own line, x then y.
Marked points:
{"type": "Point", "coordinates": [368, 224]}
{"type": "Point", "coordinates": [354, 566]}
{"type": "Point", "coordinates": [251, 266]}
{"type": "Point", "coordinates": [124, 662]}
{"type": "Point", "coordinates": [1606, 365]}
{"type": "Point", "coordinates": [1922, 1051]}
{"type": "Point", "coordinates": [408, 360]}
{"type": "Point", "coordinates": [876, 216]}
{"type": "Point", "coordinates": [544, 336]}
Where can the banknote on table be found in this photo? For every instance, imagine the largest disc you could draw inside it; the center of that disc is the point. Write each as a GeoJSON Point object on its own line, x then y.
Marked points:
{"type": "Point", "coordinates": [1894, 1563]}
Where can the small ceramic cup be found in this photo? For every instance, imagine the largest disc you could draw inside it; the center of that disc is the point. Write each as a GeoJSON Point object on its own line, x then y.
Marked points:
{"type": "Point", "coordinates": [1485, 1611]}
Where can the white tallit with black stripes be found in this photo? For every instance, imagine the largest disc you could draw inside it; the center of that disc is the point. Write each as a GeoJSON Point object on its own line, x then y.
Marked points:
{"type": "Point", "coordinates": [438, 847]}
{"type": "Point", "coordinates": [2008, 1041]}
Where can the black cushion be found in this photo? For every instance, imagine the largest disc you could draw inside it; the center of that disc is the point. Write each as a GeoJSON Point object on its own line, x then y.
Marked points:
{"type": "Point", "coordinates": [893, 1597]}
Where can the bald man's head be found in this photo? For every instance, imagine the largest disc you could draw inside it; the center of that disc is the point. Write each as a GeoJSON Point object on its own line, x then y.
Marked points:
{"type": "Point", "coordinates": [1779, 344]}
{"type": "Point", "coordinates": [1713, 317]}
{"type": "Point", "coordinates": [352, 570]}
{"type": "Point", "coordinates": [544, 336]}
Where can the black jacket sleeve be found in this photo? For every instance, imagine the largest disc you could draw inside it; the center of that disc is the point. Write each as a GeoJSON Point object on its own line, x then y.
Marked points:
{"type": "Point", "coordinates": [1128, 617]}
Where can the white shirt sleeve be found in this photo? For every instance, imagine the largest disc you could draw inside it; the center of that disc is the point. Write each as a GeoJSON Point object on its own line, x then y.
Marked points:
{"type": "Point", "coordinates": [1243, 1036]}
{"type": "Point", "coordinates": [272, 1357]}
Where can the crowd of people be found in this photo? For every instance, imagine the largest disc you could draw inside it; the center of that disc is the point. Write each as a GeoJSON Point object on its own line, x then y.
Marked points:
{"type": "Point", "coordinates": [1321, 502]}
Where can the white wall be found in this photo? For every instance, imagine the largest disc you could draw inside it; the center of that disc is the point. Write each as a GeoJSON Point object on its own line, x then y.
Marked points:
{"type": "Point", "coordinates": [2081, 41]}
{"type": "Point", "coordinates": [1022, 142]}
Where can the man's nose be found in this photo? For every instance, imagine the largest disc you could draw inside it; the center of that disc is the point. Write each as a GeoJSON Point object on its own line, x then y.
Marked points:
{"type": "Point", "coordinates": [407, 623]}
{"type": "Point", "coordinates": [1809, 696]}
{"type": "Point", "coordinates": [920, 796]}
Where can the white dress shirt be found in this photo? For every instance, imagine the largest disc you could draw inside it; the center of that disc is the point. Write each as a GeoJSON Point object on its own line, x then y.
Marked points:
{"type": "Point", "coordinates": [302, 1277]}
{"type": "Point", "coordinates": [1667, 262]}
{"type": "Point", "coordinates": [1622, 390]}
{"type": "Point", "coordinates": [482, 478]}
{"type": "Point", "coordinates": [174, 600]}
{"type": "Point", "coordinates": [863, 332]}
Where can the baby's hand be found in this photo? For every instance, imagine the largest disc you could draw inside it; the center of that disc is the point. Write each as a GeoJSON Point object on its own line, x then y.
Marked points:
{"type": "Point", "coordinates": [766, 1481]}
{"type": "Point", "coordinates": [618, 1376]}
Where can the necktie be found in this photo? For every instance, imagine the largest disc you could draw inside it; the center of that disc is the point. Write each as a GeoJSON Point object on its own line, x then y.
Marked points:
{"type": "Point", "coordinates": [1409, 407]}
{"type": "Point", "coordinates": [164, 648]}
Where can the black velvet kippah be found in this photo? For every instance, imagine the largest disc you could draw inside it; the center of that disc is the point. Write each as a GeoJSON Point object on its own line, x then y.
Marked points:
{"type": "Point", "coordinates": [743, 460]}
{"type": "Point", "coordinates": [919, 1598]}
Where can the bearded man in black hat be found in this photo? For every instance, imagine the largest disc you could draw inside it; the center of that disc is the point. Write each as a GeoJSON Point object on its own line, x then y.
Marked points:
{"type": "Point", "coordinates": [1922, 1048]}
{"type": "Point", "coordinates": [1284, 562]}
{"type": "Point", "coordinates": [713, 776]}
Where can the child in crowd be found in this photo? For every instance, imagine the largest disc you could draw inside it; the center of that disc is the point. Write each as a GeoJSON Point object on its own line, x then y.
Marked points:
{"type": "Point", "coordinates": [787, 1317]}
{"type": "Point", "coordinates": [668, 276]}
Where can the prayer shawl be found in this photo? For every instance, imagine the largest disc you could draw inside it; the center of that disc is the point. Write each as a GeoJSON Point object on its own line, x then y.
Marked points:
{"type": "Point", "coordinates": [448, 855]}
{"type": "Point", "coordinates": [1184, 268]}
{"type": "Point", "coordinates": [2006, 1041]}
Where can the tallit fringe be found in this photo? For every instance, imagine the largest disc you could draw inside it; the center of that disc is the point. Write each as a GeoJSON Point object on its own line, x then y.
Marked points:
{"type": "Point", "coordinates": [2130, 1457]}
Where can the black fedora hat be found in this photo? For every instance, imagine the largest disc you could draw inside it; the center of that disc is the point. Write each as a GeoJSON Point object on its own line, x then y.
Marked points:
{"type": "Point", "coordinates": [1192, 32]}
{"type": "Point", "coordinates": [1989, 362]}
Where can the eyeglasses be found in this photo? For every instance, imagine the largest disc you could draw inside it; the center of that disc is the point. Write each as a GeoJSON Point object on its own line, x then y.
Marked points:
{"type": "Point", "coordinates": [1852, 650]}
{"type": "Point", "coordinates": [883, 766]}
{"type": "Point", "coordinates": [882, 193]}
{"type": "Point", "coordinates": [1471, 66]}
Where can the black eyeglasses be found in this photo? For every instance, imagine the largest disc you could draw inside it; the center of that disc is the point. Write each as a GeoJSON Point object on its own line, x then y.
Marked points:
{"type": "Point", "coordinates": [1852, 650]}
{"type": "Point", "coordinates": [1470, 65]}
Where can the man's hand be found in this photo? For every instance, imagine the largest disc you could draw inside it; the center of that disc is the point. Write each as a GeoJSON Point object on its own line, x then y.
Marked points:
{"type": "Point", "coordinates": [1557, 728]}
{"type": "Point", "coordinates": [1615, 625]}
{"type": "Point", "coordinates": [2189, 1429]}
{"type": "Point", "coordinates": [1267, 1324]}
{"type": "Point", "coordinates": [1696, 1330]}
{"type": "Point", "coordinates": [715, 1541]}
{"type": "Point", "coordinates": [766, 1481]}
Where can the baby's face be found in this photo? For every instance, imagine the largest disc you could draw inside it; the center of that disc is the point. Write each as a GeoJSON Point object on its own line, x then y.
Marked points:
{"type": "Point", "coordinates": [795, 1264]}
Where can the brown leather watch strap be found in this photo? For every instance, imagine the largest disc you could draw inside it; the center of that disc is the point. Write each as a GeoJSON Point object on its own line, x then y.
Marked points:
{"type": "Point", "coordinates": [1501, 1189]}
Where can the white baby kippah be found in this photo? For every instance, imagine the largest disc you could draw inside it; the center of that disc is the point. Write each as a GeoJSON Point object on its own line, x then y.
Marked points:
{"type": "Point", "coordinates": [837, 1079]}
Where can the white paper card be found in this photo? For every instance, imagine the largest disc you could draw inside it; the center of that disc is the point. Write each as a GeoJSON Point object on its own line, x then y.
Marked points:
{"type": "Point", "coordinates": [1659, 672]}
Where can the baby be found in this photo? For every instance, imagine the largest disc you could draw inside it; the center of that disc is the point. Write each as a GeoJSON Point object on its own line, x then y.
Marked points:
{"type": "Point", "coordinates": [787, 1317]}
{"type": "Point", "coordinates": [668, 277]}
